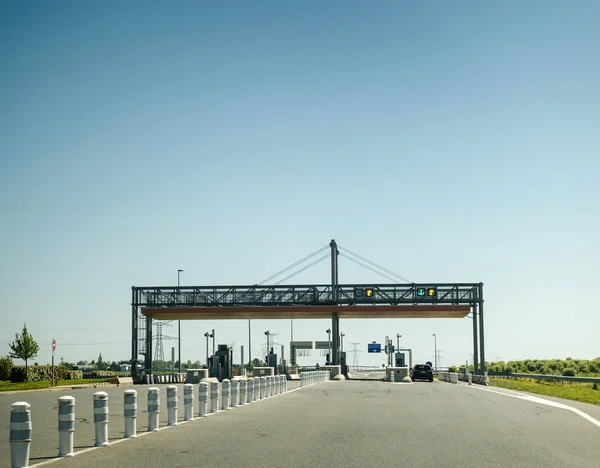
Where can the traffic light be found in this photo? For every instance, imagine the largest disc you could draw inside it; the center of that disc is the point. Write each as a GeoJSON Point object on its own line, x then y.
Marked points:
{"type": "Point", "coordinates": [369, 293]}
{"type": "Point", "coordinates": [431, 292]}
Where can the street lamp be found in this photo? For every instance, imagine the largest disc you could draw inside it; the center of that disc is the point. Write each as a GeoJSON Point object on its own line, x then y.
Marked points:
{"type": "Point", "coordinates": [435, 351]}
{"type": "Point", "coordinates": [207, 335]}
{"type": "Point", "coordinates": [398, 336]}
{"type": "Point", "coordinates": [267, 334]}
{"type": "Point", "coordinates": [328, 331]}
{"type": "Point", "coordinates": [179, 326]}
{"type": "Point", "coordinates": [342, 335]}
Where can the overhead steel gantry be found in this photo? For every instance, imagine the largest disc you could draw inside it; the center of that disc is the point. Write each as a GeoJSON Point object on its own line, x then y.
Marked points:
{"type": "Point", "coordinates": [335, 301]}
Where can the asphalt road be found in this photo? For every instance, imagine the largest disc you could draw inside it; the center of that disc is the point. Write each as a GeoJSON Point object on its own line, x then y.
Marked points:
{"type": "Point", "coordinates": [44, 417]}
{"type": "Point", "coordinates": [357, 424]}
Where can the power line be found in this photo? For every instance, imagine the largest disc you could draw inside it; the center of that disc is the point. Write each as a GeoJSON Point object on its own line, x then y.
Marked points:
{"type": "Point", "coordinates": [317, 252]}
{"type": "Point", "coordinates": [376, 265]}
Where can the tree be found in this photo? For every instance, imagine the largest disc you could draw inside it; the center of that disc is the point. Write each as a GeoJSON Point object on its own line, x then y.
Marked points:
{"type": "Point", "coordinates": [24, 347]}
{"type": "Point", "coordinates": [100, 364]}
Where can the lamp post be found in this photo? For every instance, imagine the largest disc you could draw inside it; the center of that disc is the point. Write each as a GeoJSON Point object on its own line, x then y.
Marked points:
{"type": "Point", "coordinates": [179, 325]}
{"type": "Point", "coordinates": [398, 336]}
{"type": "Point", "coordinates": [207, 336]}
{"type": "Point", "coordinates": [267, 335]}
{"type": "Point", "coordinates": [435, 351]}
{"type": "Point", "coordinates": [342, 335]}
{"type": "Point", "coordinates": [212, 335]}
{"type": "Point", "coordinates": [328, 331]}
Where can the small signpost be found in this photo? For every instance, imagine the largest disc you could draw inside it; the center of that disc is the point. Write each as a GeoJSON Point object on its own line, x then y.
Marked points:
{"type": "Point", "coordinates": [53, 351]}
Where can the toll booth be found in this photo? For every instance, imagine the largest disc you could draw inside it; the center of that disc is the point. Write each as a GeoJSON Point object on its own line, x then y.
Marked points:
{"type": "Point", "coordinates": [272, 360]}
{"type": "Point", "coordinates": [221, 364]}
{"type": "Point", "coordinates": [343, 363]}
{"type": "Point", "coordinates": [400, 360]}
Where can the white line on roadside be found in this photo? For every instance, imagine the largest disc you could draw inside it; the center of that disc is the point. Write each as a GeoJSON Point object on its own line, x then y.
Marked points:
{"type": "Point", "coordinates": [534, 399]}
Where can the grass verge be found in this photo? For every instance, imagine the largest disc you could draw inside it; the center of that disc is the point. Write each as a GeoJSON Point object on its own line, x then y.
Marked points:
{"type": "Point", "coordinates": [575, 391]}
{"type": "Point", "coordinates": [6, 386]}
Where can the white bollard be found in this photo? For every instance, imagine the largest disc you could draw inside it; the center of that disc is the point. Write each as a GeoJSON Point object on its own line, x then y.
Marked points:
{"type": "Point", "coordinates": [153, 409]}
{"type": "Point", "coordinates": [235, 385]}
{"type": "Point", "coordinates": [66, 425]}
{"type": "Point", "coordinates": [470, 379]}
{"type": "Point", "coordinates": [101, 418]}
{"type": "Point", "coordinates": [225, 394]}
{"type": "Point", "coordinates": [256, 394]}
{"type": "Point", "coordinates": [243, 391]}
{"type": "Point", "coordinates": [203, 399]}
{"type": "Point", "coordinates": [214, 397]}
{"type": "Point", "coordinates": [250, 389]}
{"type": "Point", "coordinates": [172, 405]}
{"type": "Point", "coordinates": [276, 381]}
{"type": "Point", "coordinates": [268, 386]}
{"type": "Point", "coordinates": [284, 384]}
{"type": "Point", "coordinates": [302, 379]}
{"type": "Point", "coordinates": [20, 434]}
{"type": "Point", "coordinates": [130, 412]}
{"type": "Point", "coordinates": [188, 402]}
{"type": "Point", "coordinates": [263, 387]}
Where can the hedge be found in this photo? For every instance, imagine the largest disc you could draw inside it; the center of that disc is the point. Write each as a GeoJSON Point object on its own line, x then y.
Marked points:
{"type": "Point", "coordinates": [38, 373]}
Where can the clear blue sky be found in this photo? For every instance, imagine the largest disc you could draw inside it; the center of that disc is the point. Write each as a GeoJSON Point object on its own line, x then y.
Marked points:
{"type": "Point", "coordinates": [448, 142]}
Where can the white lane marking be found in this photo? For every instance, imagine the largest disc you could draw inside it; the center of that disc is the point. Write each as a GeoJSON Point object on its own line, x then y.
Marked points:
{"type": "Point", "coordinates": [541, 401]}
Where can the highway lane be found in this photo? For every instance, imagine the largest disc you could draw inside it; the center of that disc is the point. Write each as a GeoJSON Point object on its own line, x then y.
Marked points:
{"type": "Point", "coordinates": [357, 424]}
{"type": "Point", "coordinates": [44, 415]}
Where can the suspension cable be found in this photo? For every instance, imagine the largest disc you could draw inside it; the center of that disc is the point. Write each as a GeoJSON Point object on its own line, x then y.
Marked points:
{"type": "Point", "coordinates": [317, 252]}
{"type": "Point", "coordinates": [393, 280]}
{"type": "Point", "coordinates": [376, 265]}
{"type": "Point", "coordinates": [306, 267]}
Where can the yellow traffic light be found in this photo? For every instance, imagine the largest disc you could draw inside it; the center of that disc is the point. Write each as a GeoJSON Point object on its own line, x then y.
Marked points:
{"type": "Point", "coordinates": [431, 292]}
{"type": "Point", "coordinates": [369, 292]}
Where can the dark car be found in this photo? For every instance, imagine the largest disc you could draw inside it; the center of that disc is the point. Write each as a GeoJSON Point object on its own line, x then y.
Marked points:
{"type": "Point", "coordinates": [422, 372]}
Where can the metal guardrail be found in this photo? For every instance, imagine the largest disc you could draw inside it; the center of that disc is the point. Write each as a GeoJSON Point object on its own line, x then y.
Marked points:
{"type": "Point", "coordinates": [554, 378]}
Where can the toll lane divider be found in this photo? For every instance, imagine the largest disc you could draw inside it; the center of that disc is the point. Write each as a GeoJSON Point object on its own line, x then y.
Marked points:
{"type": "Point", "coordinates": [313, 377]}
{"type": "Point", "coordinates": [233, 394]}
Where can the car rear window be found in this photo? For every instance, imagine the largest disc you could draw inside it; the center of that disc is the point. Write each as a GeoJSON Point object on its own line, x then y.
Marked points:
{"type": "Point", "coordinates": [421, 367]}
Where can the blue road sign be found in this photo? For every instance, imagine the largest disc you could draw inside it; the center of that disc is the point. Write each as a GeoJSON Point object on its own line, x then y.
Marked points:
{"type": "Point", "coordinates": [374, 347]}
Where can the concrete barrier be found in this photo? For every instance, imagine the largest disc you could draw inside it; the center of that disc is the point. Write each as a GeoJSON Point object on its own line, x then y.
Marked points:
{"type": "Point", "coordinates": [172, 405]}
{"type": "Point", "coordinates": [188, 402]}
{"type": "Point", "coordinates": [262, 371]}
{"type": "Point", "coordinates": [124, 381]}
{"type": "Point", "coordinates": [243, 391]}
{"type": "Point", "coordinates": [203, 399]}
{"type": "Point", "coordinates": [214, 397]}
{"type": "Point", "coordinates": [130, 413]}
{"type": "Point", "coordinates": [225, 393]}
{"type": "Point", "coordinates": [101, 418]}
{"type": "Point", "coordinates": [235, 385]}
{"type": "Point", "coordinates": [256, 394]}
{"type": "Point", "coordinates": [66, 425]}
{"type": "Point", "coordinates": [20, 434]}
{"type": "Point", "coordinates": [153, 409]}
{"type": "Point", "coordinates": [195, 376]}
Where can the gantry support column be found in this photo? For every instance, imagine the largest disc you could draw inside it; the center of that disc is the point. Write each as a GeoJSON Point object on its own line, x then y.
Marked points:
{"type": "Point", "coordinates": [335, 320]}
{"type": "Point", "coordinates": [481, 334]}
{"type": "Point", "coordinates": [475, 346]}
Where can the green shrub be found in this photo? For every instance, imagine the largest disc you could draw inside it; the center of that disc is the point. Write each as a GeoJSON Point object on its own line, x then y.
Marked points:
{"type": "Point", "coordinates": [38, 373]}
{"type": "Point", "coordinates": [569, 372]}
{"type": "Point", "coordinates": [452, 369]}
{"type": "Point", "coordinates": [6, 365]}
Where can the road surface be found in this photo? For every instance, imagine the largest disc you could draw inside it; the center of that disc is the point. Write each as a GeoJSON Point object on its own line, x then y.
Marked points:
{"type": "Point", "coordinates": [357, 424]}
